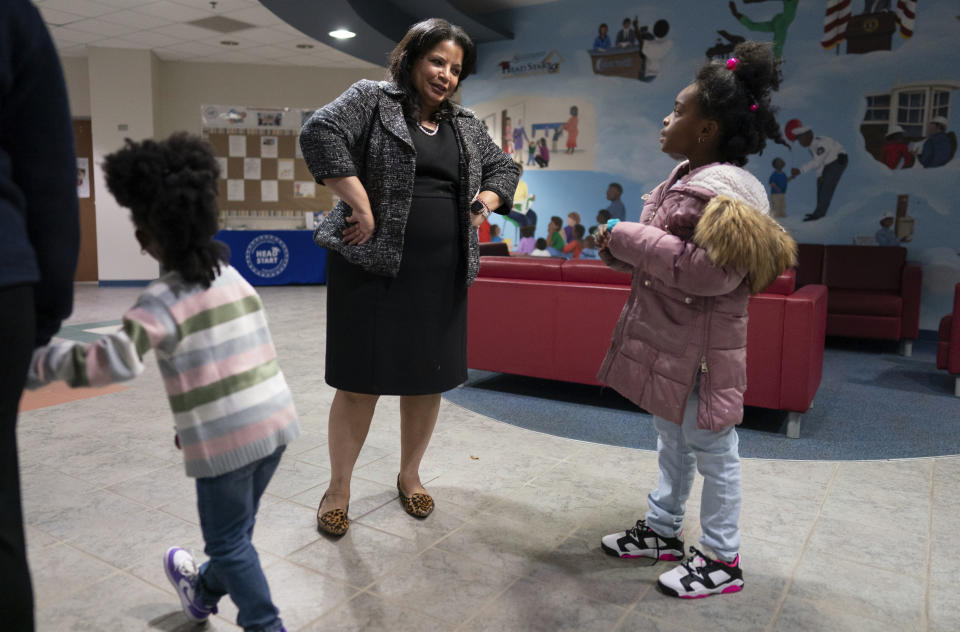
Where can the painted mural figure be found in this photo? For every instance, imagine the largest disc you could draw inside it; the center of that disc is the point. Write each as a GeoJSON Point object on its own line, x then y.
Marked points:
{"type": "Point", "coordinates": [655, 49]}
{"type": "Point", "coordinates": [519, 139]}
{"type": "Point", "coordinates": [778, 189]}
{"type": "Point", "coordinates": [722, 49]}
{"type": "Point", "coordinates": [937, 148]}
{"type": "Point", "coordinates": [626, 36]}
{"type": "Point", "coordinates": [602, 41]}
{"type": "Point", "coordinates": [777, 25]}
{"type": "Point", "coordinates": [507, 135]}
{"type": "Point", "coordinates": [616, 209]}
{"type": "Point", "coordinates": [895, 149]}
{"type": "Point", "coordinates": [886, 236]}
{"type": "Point", "coordinates": [543, 154]}
{"type": "Point", "coordinates": [571, 127]}
{"type": "Point", "coordinates": [828, 157]}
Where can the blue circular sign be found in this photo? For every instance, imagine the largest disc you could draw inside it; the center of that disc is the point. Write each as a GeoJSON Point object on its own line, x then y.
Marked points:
{"type": "Point", "coordinates": [267, 256]}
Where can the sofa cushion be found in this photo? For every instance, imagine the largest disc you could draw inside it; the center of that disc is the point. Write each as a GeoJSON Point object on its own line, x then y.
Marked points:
{"type": "Point", "coordinates": [532, 268]}
{"type": "Point", "coordinates": [863, 303]}
{"type": "Point", "coordinates": [863, 267]}
{"type": "Point", "coordinates": [592, 271]}
{"type": "Point", "coordinates": [946, 323]}
{"type": "Point", "coordinates": [810, 264]}
{"type": "Point", "coordinates": [784, 284]}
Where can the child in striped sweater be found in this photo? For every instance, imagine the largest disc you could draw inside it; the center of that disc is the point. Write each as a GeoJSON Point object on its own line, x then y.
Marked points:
{"type": "Point", "coordinates": [233, 412]}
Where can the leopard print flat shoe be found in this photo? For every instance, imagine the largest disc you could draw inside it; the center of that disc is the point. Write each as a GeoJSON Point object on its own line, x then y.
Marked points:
{"type": "Point", "coordinates": [335, 521]}
{"type": "Point", "coordinates": [417, 505]}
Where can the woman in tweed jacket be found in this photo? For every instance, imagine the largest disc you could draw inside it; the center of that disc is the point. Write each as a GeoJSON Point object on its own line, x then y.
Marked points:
{"type": "Point", "coordinates": [416, 175]}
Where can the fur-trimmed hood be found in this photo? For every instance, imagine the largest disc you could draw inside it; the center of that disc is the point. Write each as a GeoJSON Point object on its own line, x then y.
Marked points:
{"type": "Point", "coordinates": [736, 229]}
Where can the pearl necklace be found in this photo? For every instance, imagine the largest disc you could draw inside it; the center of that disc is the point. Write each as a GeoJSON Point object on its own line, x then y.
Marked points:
{"type": "Point", "coordinates": [427, 130]}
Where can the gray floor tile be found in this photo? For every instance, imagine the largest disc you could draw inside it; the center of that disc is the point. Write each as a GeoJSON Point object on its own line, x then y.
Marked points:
{"type": "Point", "coordinates": [859, 589]}
{"type": "Point", "coordinates": [392, 519]}
{"type": "Point", "coordinates": [871, 543]}
{"type": "Point", "coordinates": [799, 615]}
{"type": "Point", "coordinates": [295, 476]}
{"type": "Point", "coordinates": [369, 613]}
{"type": "Point", "coordinates": [512, 544]}
{"type": "Point", "coordinates": [120, 602]}
{"type": "Point", "coordinates": [445, 585]}
{"type": "Point", "coordinates": [359, 557]}
{"type": "Point", "coordinates": [303, 595]}
{"type": "Point", "coordinates": [365, 496]}
{"type": "Point", "coordinates": [581, 566]}
{"type": "Point", "coordinates": [60, 570]}
{"type": "Point", "coordinates": [285, 527]}
{"type": "Point", "coordinates": [527, 606]}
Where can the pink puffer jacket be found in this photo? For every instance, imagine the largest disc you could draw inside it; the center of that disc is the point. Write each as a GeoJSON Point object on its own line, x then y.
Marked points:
{"type": "Point", "coordinates": [704, 242]}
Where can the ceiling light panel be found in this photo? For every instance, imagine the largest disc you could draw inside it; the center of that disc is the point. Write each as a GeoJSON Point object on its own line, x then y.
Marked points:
{"type": "Point", "coordinates": [221, 24]}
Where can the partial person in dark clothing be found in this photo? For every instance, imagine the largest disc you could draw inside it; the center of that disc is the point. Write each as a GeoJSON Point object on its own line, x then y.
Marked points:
{"type": "Point", "coordinates": [39, 241]}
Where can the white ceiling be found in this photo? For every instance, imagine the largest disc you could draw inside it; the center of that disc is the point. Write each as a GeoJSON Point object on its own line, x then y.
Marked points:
{"type": "Point", "coordinates": [163, 27]}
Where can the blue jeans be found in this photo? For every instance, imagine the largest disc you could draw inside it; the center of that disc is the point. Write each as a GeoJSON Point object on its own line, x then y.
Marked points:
{"type": "Point", "coordinates": [228, 507]}
{"type": "Point", "coordinates": [681, 451]}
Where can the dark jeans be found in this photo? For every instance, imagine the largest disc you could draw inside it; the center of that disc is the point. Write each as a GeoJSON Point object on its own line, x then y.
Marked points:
{"type": "Point", "coordinates": [827, 184]}
{"type": "Point", "coordinates": [17, 325]}
{"type": "Point", "coordinates": [228, 507]}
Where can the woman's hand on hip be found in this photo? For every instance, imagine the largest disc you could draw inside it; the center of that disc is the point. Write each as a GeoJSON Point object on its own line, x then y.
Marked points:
{"type": "Point", "coordinates": [360, 227]}
{"type": "Point", "coordinates": [476, 220]}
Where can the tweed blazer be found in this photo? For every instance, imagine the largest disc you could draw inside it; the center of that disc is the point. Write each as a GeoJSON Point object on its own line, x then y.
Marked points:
{"type": "Point", "coordinates": [363, 133]}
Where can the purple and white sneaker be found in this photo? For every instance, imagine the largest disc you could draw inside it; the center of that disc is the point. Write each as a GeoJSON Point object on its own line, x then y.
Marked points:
{"type": "Point", "coordinates": [701, 576]}
{"type": "Point", "coordinates": [181, 570]}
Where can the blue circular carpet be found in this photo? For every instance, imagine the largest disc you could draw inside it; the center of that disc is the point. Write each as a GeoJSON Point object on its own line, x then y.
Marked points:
{"type": "Point", "coordinates": [872, 404]}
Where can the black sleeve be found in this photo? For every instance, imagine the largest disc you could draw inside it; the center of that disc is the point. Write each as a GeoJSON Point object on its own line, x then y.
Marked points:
{"type": "Point", "coordinates": [38, 135]}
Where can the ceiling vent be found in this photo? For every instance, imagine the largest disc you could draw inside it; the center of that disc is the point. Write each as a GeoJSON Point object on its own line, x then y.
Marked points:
{"type": "Point", "coordinates": [221, 24]}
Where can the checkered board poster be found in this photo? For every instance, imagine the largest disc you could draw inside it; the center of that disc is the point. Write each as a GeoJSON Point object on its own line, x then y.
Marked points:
{"type": "Point", "coordinates": [263, 171]}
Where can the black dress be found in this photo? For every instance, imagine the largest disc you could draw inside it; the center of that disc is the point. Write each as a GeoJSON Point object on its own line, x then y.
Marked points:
{"type": "Point", "coordinates": [406, 335]}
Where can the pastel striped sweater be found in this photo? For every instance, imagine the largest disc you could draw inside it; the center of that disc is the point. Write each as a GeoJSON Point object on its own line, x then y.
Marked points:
{"type": "Point", "coordinates": [230, 402]}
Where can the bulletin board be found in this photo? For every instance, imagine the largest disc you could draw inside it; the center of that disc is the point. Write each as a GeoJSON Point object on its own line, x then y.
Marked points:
{"type": "Point", "coordinates": [262, 171]}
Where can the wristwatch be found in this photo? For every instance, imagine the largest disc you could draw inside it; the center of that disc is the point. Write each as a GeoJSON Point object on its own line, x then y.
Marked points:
{"type": "Point", "coordinates": [477, 207]}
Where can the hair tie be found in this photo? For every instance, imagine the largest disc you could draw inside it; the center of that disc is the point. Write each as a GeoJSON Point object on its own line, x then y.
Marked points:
{"type": "Point", "coordinates": [754, 107]}
{"type": "Point", "coordinates": [732, 63]}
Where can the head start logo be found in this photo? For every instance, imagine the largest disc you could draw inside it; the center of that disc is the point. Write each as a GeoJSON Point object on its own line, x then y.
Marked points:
{"type": "Point", "coordinates": [267, 256]}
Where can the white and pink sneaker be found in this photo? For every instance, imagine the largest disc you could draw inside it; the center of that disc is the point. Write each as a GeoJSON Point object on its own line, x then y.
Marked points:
{"type": "Point", "coordinates": [702, 576]}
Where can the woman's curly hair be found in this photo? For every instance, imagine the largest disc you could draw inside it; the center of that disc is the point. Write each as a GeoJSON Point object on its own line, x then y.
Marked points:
{"type": "Point", "coordinates": [420, 40]}
{"type": "Point", "coordinates": [170, 187]}
{"type": "Point", "coordinates": [727, 97]}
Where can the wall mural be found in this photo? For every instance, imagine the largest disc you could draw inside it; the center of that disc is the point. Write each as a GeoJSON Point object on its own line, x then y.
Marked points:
{"type": "Point", "coordinates": [866, 109]}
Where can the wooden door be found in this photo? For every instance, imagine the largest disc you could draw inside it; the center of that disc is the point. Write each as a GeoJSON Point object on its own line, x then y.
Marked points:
{"type": "Point", "coordinates": [87, 261]}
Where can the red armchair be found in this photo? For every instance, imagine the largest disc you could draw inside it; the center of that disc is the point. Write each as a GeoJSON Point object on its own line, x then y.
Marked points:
{"type": "Point", "coordinates": [948, 348]}
{"type": "Point", "coordinates": [874, 292]}
{"type": "Point", "coordinates": [551, 318]}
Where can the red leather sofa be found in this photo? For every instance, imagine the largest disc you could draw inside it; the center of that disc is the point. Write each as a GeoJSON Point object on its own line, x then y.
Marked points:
{"type": "Point", "coordinates": [948, 347]}
{"type": "Point", "coordinates": [553, 318]}
{"type": "Point", "coordinates": [873, 291]}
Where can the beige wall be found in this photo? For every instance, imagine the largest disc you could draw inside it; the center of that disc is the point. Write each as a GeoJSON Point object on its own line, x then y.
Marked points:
{"type": "Point", "coordinates": [121, 106]}
{"type": "Point", "coordinates": [154, 98]}
{"type": "Point", "coordinates": [184, 87]}
{"type": "Point", "coordinates": [77, 76]}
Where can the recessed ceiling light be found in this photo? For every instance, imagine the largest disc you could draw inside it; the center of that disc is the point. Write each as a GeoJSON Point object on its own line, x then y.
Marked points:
{"type": "Point", "coordinates": [229, 43]}
{"type": "Point", "coordinates": [342, 34]}
{"type": "Point", "coordinates": [304, 45]}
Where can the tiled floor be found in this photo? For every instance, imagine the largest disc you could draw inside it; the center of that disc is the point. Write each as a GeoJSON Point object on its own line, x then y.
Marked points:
{"type": "Point", "coordinates": [513, 544]}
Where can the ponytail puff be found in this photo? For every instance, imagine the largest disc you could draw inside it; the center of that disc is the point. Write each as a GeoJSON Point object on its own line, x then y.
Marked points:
{"type": "Point", "coordinates": [736, 94]}
{"type": "Point", "coordinates": [170, 187]}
